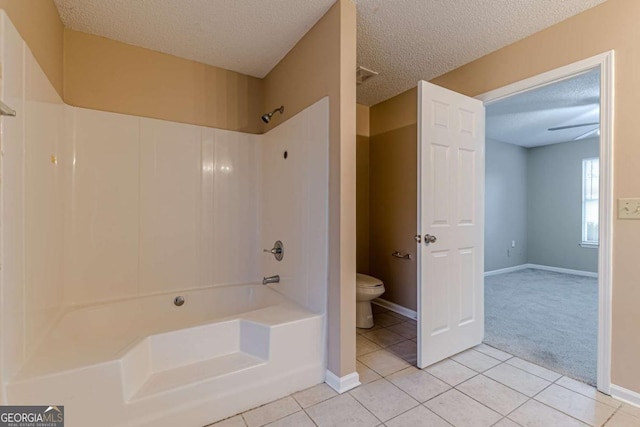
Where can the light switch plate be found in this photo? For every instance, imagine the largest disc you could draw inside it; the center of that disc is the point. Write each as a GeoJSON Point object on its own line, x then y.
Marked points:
{"type": "Point", "coordinates": [629, 208]}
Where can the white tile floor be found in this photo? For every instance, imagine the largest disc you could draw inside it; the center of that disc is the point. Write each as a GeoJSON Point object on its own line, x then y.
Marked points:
{"type": "Point", "coordinates": [479, 387]}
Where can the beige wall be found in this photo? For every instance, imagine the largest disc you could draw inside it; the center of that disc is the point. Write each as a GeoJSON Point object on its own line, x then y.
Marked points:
{"type": "Point", "coordinates": [107, 75]}
{"type": "Point", "coordinates": [393, 169]}
{"type": "Point", "coordinates": [94, 72]}
{"type": "Point", "coordinates": [394, 113]}
{"type": "Point", "coordinates": [362, 189]}
{"type": "Point", "coordinates": [362, 204]}
{"type": "Point", "coordinates": [322, 64]}
{"type": "Point", "coordinates": [612, 25]}
{"type": "Point", "coordinates": [40, 26]}
{"type": "Point", "coordinates": [393, 187]}
{"type": "Point", "coordinates": [362, 120]}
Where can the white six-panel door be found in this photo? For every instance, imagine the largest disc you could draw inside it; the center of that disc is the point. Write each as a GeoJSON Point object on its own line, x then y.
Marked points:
{"type": "Point", "coordinates": [450, 223]}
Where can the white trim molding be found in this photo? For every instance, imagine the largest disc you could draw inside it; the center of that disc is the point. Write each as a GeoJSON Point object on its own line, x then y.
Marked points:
{"type": "Point", "coordinates": [396, 308]}
{"type": "Point", "coordinates": [588, 245]}
{"type": "Point", "coordinates": [628, 396]}
{"type": "Point", "coordinates": [562, 270]}
{"type": "Point", "coordinates": [605, 63]}
{"type": "Point", "coordinates": [505, 270]}
{"type": "Point", "coordinates": [540, 267]}
{"type": "Point", "coordinates": [342, 384]}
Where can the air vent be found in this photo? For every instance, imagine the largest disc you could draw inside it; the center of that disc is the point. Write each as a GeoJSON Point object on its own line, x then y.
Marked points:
{"type": "Point", "coordinates": [364, 74]}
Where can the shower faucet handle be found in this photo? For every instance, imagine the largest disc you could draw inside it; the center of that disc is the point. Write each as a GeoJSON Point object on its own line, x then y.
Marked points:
{"type": "Point", "coordinates": [277, 251]}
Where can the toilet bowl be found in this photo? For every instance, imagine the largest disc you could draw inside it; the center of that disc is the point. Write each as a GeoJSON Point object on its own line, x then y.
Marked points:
{"type": "Point", "coordinates": [367, 289]}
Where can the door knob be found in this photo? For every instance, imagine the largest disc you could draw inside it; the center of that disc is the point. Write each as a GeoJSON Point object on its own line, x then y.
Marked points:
{"type": "Point", "coordinates": [428, 238]}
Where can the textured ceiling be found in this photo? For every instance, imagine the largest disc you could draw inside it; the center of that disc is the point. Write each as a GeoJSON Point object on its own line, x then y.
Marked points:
{"type": "Point", "coordinates": [524, 119]}
{"type": "Point", "coordinates": [410, 40]}
{"type": "Point", "coordinates": [247, 36]}
{"type": "Point", "coordinates": [404, 40]}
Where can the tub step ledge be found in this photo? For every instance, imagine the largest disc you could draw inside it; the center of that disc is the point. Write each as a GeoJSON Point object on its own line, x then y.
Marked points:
{"type": "Point", "coordinates": [204, 371]}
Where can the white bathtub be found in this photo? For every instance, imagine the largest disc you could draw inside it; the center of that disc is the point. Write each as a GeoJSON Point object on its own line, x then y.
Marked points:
{"type": "Point", "coordinates": [145, 361]}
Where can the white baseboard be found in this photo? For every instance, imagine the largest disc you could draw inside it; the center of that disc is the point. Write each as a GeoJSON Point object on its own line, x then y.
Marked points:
{"type": "Point", "coordinates": [628, 396]}
{"type": "Point", "coordinates": [562, 270]}
{"type": "Point", "coordinates": [505, 270]}
{"type": "Point", "coordinates": [396, 308]}
{"type": "Point", "coordinates": [540, 267]}
{"type": "Point", "coordinates": [342, 384]}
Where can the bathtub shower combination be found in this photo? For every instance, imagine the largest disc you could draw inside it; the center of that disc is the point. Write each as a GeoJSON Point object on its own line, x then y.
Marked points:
{"type": "Point", "coordinates": [133, 258]}
{"type": "Point", "coordinates": [145, 361]}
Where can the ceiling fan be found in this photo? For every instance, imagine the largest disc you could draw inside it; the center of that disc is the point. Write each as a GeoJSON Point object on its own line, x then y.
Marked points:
{"type": "Point", "coordinates": [592, 132]}
{"type": "Point", "coordinates": [574, 126]}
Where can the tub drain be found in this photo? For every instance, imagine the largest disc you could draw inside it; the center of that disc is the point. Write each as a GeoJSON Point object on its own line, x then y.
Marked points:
{"type": "Point", "coordinates": [178, 301]}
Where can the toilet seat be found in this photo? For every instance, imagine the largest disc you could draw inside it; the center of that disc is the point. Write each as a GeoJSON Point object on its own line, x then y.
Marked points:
{"type": "Point", "coordinates": [364, 281]}
{"type": "Point", "coordinates": [369, 286]}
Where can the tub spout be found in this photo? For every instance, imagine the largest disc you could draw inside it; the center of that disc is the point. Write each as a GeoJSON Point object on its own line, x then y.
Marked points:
{"type": "Point", "coordinates": [271, 279]}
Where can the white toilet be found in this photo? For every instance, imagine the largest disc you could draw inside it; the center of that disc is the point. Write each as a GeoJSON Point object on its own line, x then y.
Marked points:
{"type": "Point", "coordinates": [367, 289]}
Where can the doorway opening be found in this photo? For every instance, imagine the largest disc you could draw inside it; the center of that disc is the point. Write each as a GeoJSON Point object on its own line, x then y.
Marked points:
{"type": "Point", "coordinates": [541, 225]}
{"type": "Point", "coordinates": [562, 292]}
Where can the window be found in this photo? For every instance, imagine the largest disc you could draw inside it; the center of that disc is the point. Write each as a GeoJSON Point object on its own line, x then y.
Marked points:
{"type": "Point", "coordinates": [590, 203]}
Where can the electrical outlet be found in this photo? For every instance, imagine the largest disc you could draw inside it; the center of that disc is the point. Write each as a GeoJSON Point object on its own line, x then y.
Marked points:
{"type": "Point", "coordinates": [513, 243]}
{"type": "Point", "coordinates": [629, 208]}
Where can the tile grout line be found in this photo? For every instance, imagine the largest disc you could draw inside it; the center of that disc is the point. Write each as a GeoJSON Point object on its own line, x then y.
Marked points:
{"type": "Point", "coordinates": [555, 409]}
{"type": "Point", "coordinates": [505, 418]}
{"type": "Point", "coordinates": [562, 412]}
{"type": "Point", "coordinates": [268, 403]}
{"type": "Point", "coordinates": [480, 372]}
{"type": "Point", "coordinates": [575, 392]}
{"type": "Point", "coordinates": [381, 375]}
{"type": "Point", "coordinates": [588, 397]}
{"type": "Point", "coordinates": [361, 404]}
{"type": "Point", "coordinates": [529, 398]}
{"type": "Point", "coordinates": [476, 373]}
{"type": "Point", "coordinates": [311, 418]}
{"type": "Point", "coordinates": [485, 405]}
{"type": "Point", "coordinates": [416, 400]}
{"type": "Point", "coordinates": [474, 399]}
{"type": "Point", "coordinates": [610, 416]}
{"type": "Point", "coordinates": [419, 404]}
{"type": "Point", "coordinates": [470, 397]}
{"type": "Point", "coordinates": [511, 356]}
{"type": "Point", "coordinates": [538, 376]}
{"type": "Point", "coordinates": [530, 373]}
{"type": "Point", "coordinates": [508, 386]}
{"type": "Point", "coordinates": [439, 394]}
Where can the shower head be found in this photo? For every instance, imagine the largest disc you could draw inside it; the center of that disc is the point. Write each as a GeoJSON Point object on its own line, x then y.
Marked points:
{"type": "Point", "coordinates": [267, 117]}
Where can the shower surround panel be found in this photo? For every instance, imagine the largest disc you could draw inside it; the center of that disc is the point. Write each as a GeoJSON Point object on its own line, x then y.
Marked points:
{"type": "Point", "coordinates": [31, 225]}
{"type": "Point", "coordinates": [174, 206]}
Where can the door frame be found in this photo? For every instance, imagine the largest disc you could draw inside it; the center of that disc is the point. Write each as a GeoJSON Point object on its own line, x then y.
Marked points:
{"type": "Point", "coordinates": [605, 63]}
